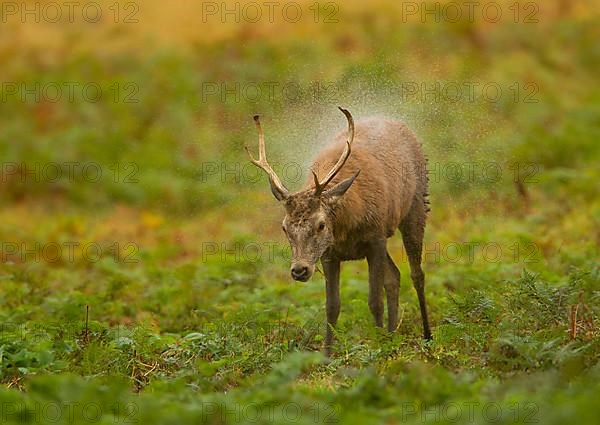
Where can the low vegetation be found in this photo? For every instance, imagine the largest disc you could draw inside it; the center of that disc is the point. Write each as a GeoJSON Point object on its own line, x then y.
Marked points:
{"type": "Point", "coordinates": [158, 291]}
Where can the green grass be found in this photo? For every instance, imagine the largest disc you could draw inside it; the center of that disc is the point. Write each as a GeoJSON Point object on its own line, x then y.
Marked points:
{"type": "Point", "coordinates": [188, 316]}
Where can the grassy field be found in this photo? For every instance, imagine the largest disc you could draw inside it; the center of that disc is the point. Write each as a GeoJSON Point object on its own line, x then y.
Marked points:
{"type": "Point", "coordinates": [144, 274]}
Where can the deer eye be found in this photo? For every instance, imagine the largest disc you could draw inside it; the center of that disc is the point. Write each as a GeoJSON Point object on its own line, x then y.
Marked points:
{"type": "Point", "coordinates": [283, 228]}
{"type": "Point", "coordinates": [321, 226]}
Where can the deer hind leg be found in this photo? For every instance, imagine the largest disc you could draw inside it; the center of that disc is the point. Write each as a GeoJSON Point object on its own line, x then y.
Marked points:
{"type": "Point", "coordinates": [413, 231]}
{"type": "Point", "coordinates": [377, 261]}
{"type": "Point", "coordinates": [392, 292]}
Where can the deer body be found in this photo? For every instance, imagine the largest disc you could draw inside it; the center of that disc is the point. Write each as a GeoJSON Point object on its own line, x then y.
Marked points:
{"type": "Point", "coordinates": [375, 184]}
{"type": "Point", "coordinates": [373, 207]}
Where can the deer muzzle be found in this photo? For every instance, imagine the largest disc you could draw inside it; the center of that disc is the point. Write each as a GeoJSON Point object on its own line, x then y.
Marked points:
{"type": "Point", "coordinates": [301, 271]}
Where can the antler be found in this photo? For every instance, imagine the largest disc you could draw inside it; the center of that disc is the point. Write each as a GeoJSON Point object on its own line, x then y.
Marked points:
{"type": "Point", "coordinates": [320, 185]}
{"type": "Point", "coordinates": [278, 189]}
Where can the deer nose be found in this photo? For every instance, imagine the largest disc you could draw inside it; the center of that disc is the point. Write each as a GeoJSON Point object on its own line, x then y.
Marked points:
{"type": "Point", "coordinates": [299, 272]}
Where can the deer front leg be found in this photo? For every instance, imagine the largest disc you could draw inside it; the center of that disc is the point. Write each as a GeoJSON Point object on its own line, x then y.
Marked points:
{"type": "Point", "coordinates": [392, 291]}
{"type": "Point", "coordinates": [331, 268]}
{"type": "Point", "coordinates": [377, 260]}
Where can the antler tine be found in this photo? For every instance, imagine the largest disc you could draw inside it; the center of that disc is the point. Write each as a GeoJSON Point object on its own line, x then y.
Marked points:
{"type": "Point", "coordinates": [315, 178]}
{"type": "Point", "coordinates": [320, 186]}
{"type": "Point", "coordinates": [262, 159]}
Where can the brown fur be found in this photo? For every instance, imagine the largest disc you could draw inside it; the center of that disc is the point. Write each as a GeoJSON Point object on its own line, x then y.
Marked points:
{"type": "Point", "coordinates": [355, 215]}
{"type": "Point", "coordinates": [393, 176]}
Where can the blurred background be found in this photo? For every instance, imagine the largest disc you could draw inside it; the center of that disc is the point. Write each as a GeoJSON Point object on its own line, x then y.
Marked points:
{"type": "Point", "coordinates": [131, 218]}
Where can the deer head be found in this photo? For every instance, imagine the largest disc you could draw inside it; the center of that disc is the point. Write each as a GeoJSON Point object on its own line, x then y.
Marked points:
{"type": "Point", "coordinates": [309, 221]}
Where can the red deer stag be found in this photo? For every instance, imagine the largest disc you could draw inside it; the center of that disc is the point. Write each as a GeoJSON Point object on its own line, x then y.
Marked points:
{"type": "Point", "coordinates": [350, 212]}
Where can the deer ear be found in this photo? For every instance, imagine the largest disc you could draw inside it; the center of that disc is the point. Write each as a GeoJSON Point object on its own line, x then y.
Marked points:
{"type": "Point", "coordinates": [341, 188]}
